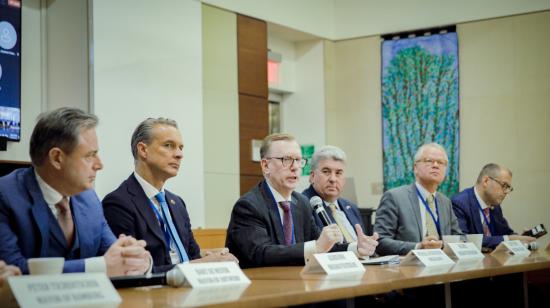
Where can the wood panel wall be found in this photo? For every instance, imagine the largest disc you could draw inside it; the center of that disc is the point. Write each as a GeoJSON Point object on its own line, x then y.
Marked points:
{"type": "Point", "coordinates": [253, 93]}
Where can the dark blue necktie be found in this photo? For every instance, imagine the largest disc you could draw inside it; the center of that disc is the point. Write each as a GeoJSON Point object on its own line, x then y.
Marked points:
{"type": "Point", "coordinates": [171, 227]}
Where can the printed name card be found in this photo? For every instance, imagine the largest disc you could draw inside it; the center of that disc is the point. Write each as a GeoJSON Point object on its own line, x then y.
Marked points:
{"type": "Point", "coordinates": [331, 263]}
{"type": "Point", "coordinates": [69, 290]}
{"type": "Point", "coordinates": [427, 257]}
{"type": "Point", "coordinates": [512, 247]}
{"type": "Point", "coordinates": [213, 274]}
{"type": "Point", "coordinates": [463, 251]}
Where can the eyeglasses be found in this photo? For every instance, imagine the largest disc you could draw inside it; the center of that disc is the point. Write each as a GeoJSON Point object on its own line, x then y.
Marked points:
{"type": "Point", "coordinates": [289, 161]}
{"type": "Point", "coordinates": [431, 161]}
{"type": "Point", "coordinates": [507, 188]}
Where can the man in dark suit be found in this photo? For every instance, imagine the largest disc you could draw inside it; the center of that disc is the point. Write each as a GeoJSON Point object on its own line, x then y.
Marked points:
{"type": "Point", "coordinates": [478, 208]}
{"type": "Point", "coordinates": [327, 178]}
{"type": "Point", "coordinates": [51, 210]}
{"type": "Point", "coordinates": [416, 216]}
{"type": "Point", "coordinates": [141, 207]}
{"type": "Point", "coordinates": [271, 224]}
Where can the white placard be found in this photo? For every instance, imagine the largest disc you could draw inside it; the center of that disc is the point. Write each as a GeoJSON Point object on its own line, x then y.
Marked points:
{"type": "Point", "coordinates": [512, 247]}
{"type": "Point", "coordinates": [463, 251]}
{"type": "Point", "coordinates": [213, 274]}
{"type": "Point", "coordinates": [69, 290]}
{"type": "Point", "coordinates": [331, 263]}
{"type": "Point", "coordinates": [427, 257]}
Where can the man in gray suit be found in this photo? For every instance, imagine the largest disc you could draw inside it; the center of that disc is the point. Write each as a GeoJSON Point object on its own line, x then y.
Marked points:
{"type": "Point", "coordinates": [416, 216]}
{"type": "Point", "coordinates": [272, 225]}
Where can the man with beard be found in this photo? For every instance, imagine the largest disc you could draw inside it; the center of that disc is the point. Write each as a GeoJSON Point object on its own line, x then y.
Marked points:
{"type": "Point", "coordinates": [478, 208]}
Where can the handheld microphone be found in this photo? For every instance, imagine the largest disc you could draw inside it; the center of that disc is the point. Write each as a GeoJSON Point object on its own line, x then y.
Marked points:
{"type": "Point", "coordinates": [174, 278]}
{"type": "Point", "coordinates": [317, 205]}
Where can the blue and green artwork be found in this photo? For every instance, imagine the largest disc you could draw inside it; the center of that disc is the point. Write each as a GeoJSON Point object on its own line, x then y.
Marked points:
{"type": "Point", "coordinates": [419, 105]}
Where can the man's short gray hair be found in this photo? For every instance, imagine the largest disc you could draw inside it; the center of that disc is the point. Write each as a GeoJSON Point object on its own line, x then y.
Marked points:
{"type": "Point", "coordinates": [327, 152]}
{"type": "Point", "coordinates": [59, 128]}
{"type": "Point", "coordinates": [492, 170]}
{"type": "Point", "coordinates": [143, 132]}
{"type": "Point", "coordinates": [422, 148]}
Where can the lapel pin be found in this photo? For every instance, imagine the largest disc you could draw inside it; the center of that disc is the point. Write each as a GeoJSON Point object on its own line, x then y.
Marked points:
{"type": "Point", "coordinates": [348, 207]}
{"type": "Point", "coordinates": [172, 202]}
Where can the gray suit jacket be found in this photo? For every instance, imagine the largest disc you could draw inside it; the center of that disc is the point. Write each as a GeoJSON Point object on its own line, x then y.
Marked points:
{"type": "Point", "coordinates": [399, 224]}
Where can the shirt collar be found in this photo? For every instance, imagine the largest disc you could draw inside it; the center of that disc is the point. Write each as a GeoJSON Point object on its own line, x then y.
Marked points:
{"type": "Point", "coordinates": [278, 197]}
{"type": "Point", "coordinates": [51, 196]}
{"type": "Point", "coordinates": [423, 191]}
{"type": "Point", "coordinates": [150, 190]}
{"type": "Point", "coordinates": [481, 202]}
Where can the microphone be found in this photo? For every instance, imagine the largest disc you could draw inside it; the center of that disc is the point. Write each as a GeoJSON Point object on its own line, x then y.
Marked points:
{"type": "Point", "coordinates": [317, 205]}
{"type": "Point", "coordinates": [174, 278]}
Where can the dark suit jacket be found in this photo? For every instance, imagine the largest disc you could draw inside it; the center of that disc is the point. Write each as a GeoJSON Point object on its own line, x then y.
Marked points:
{"type": "Point", "coordinates": [466, 208]}
{"type": "Point", "coordinates": [25, 229]}
{"type": "Point", "coordinates": [127, 210]}
{"type": "Point", "coordinates": [350, 209]}
{"type": "Point", "coordinates": [255, 232]}
{"type": "Point", "coordinates": [399, 222]}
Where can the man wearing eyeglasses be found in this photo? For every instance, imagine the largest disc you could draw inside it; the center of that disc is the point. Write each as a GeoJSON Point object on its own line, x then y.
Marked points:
{"type": "Point", "coordinates": [415, 216]}
{"type": "Point", "coordinates": [272, 224]}
{"type": "Point", "coordinates": [478, 208]}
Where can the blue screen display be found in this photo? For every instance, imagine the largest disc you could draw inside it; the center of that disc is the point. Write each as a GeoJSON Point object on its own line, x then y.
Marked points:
{"type": "Point", "coordinates": [10, 69]}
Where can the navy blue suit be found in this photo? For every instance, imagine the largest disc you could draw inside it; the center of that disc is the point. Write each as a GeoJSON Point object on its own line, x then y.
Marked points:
{"type": "Point", "coordinates": [127, 210]}
{"type": "Point", "coordinates": [28, 228]}
{"type": "Point", "coordinates": [350, 209]}
{"type": "Point", "coordinates": [466, 208]}
{"type": "Point", "coordinates": [255, 233]}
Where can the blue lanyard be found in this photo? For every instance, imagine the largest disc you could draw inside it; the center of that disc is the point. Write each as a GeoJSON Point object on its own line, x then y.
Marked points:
{"type": "Point", "coordinates": [485, 218]}
{"type": "Point", "coordinates": [162, 224]}
{"type": "Point", "coordinates": [430, 211]}
{"type": "Point", "coordinates": [277, 208]}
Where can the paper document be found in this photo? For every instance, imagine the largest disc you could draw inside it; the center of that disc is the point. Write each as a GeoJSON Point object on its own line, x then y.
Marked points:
{"type": "Point", "coordinates": [392, 259]}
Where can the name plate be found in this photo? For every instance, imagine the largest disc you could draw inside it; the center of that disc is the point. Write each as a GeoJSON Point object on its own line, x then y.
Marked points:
{"type": "Point", "coordinates": [427, 257]}
{"type": "Point", "coordinates": [331, 263]}
{"type": "Point", "coordinates": [70, 290]}
{"type": "Point", "coordinates": [463, 251]}
{"type": "Point", "coordinates": [512, 247]}
{"type": "Point", "coordinates": [213, 274]}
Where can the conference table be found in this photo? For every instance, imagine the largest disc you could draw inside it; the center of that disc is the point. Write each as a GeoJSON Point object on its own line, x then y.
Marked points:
{"type": "Point", "coordinates": [285, 286]}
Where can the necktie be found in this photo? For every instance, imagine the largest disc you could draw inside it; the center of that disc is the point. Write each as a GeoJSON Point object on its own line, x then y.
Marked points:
{"type": "Point", "coordinates": [65, 219]}
{"type": "Point", "coordinates": [340, 223]}
{"type": "Point", "coordinates": [171, 227]}
{"type": "Point", "coordinates": [487, 214]}
{"type": "Point", "coordinates": [431, 228]}
{"type": "Point", "coordinates": [287, 222]}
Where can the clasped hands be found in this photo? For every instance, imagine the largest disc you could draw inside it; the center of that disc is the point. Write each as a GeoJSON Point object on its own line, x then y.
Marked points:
{"type": "Point", "coordinates": [127, 256]}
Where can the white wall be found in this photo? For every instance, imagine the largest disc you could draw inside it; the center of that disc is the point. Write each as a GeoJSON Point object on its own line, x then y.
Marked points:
{"type": "Point", "coordinates": [221, 115]}
{"type": "Point", "coordinates": [310, 16]}
{"type": "Point", "coordinates": [344, 19]}
{"type": "Point", "coordinates": [147, 63]}
{"type": "Point", "coordinates": [66, 54]}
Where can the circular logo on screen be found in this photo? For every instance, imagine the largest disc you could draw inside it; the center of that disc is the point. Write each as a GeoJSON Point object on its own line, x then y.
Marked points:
{"type": "Point", "coordinates": [8, 36]}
